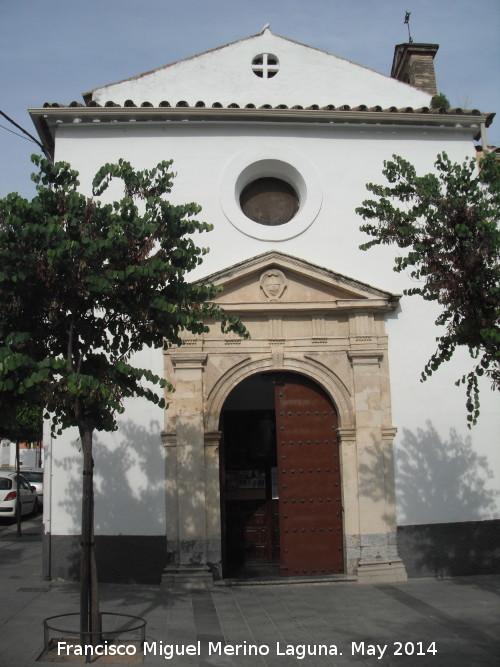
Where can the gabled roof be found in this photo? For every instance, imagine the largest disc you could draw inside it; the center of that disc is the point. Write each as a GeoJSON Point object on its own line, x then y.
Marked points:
{"type": "Point", "coordinates": [221, 85]}
{"type": "Point", "coordinates": [301, 75]}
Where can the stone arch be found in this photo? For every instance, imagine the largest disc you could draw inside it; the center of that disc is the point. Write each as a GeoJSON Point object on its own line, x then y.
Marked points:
{"type": "Point", "coordinates": [325, 378]}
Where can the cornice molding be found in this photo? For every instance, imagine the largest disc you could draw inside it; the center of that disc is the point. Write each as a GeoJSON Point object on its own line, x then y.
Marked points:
{"type": "Point", "coordinates": [47, 119]}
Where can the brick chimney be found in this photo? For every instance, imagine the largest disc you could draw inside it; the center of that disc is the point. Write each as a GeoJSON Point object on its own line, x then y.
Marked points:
{"type": "Point", "coordinates": [414, 64]}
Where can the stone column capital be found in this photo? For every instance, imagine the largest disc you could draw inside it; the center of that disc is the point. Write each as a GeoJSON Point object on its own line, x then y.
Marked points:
{"type": "Point", "coordinates": [365, 357]}
{"type": "Point", "coordinates": [212, 439]}
{"type": "Point", "coordinates": [189, 360]}
{"type": "Point", "coordinates": [389, 433]}
{"type": "Point", "coordinates": [169, 439]}
{"type": "Point", "coordinates": [347, 435]}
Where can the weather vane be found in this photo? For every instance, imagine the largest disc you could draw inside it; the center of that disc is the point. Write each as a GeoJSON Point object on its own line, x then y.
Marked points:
{"type": "Point", "coordinates": [407, 21]}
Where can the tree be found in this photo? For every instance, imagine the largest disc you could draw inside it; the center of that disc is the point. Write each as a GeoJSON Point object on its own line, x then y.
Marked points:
{"type": "Point", "coordinates": [440, 101]}
{"type": "Point", "coordinates": [83, 286]}
{"type": "Point", "coordinates": [448, 223]}
{"type": "Point", "coordinates": [20, 421]}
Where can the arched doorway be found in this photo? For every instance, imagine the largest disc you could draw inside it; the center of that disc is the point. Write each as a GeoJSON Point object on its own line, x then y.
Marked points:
{"type": "Point", "coordinates": [281, 505]}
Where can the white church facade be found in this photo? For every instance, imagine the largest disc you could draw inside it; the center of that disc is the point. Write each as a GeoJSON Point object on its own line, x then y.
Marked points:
{"type": "Point", "coordinates": [311, 449]}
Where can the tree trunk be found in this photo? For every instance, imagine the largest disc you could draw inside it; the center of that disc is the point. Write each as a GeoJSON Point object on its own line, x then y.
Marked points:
{"type": "Point", "coordinates": [89, 597]}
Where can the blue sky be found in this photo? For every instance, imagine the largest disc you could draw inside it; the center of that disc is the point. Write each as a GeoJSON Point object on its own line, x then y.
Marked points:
{"type": "Point", "coordinates": [53, 50]}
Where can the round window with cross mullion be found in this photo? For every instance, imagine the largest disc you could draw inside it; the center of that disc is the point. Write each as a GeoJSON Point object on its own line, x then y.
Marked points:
{"type": "Point", "coordinates": [265, 65]}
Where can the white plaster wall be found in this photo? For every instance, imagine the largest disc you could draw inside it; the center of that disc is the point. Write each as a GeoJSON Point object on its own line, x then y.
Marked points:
{"type": "Point", "coordinates": [445, 472]}
{"type": "Point", "coordinates": [129, 477]}
{"type": "Point", "coordinates": [5, 450]}
{"type": "Point", "coordinates": [306, 76]}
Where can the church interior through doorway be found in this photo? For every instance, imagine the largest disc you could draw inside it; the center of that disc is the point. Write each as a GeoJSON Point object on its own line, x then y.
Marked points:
{"type": "Point", "coordinates": [280, 479]}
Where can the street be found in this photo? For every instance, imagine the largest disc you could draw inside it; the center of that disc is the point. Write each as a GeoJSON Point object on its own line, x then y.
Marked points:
{"type": "Point", "coordinates": [440, 623]}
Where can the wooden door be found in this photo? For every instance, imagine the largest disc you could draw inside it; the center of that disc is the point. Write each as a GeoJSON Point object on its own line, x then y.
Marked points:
{"type": "Point", "coordinates": [310, 519]}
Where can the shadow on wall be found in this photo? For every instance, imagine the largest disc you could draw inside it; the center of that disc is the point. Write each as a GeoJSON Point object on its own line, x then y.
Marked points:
{"type": "Point", "coordinates": [129, 492]}
{"type": "Point", "coordinates": [441, 480]}
{"type": "Point", "coordinates": [441, 485]}
{"type": "Point", "coordinates": [191, 495]}
{"type": "Point", "coordinates": [445, 481]}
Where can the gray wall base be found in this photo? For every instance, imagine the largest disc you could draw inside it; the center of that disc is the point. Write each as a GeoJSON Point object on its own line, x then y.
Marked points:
{"type": "Point", "coordinates": [450, 549]}
{"type": "Point", "coordinates": [130, 559]}
{"type": "Point", "coordinates": [432, 550]}
{"type": "Point", "coordinates": [379, 572]}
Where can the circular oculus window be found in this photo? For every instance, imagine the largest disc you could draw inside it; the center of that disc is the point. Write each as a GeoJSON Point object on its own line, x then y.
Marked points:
{"type": "Point", "coordinates": [265, 65]}
{"type": "Point", "coordinates": [270, 198]}
{"type": "Point", "coordinates": [269, 201]}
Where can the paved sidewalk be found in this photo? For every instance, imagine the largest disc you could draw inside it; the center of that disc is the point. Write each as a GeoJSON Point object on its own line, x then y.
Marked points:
{"type": "Point", "coordinates": [365, 624]}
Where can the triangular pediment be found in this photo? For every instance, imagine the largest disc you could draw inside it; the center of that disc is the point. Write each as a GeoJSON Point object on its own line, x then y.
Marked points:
{"type": "Point", "coordinates": [275, 280]}
{"type": "Point", "coordinates": [230, 74]}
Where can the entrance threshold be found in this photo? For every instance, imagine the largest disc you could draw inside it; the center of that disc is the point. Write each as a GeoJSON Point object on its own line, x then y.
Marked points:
{"type": "Point", "coordinates": [281, 581]}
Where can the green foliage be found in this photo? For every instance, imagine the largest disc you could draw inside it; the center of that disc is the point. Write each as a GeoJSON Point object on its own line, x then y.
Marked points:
{"type": "Point", "coordinates": [448, 223]}
{"type": "Point", "coordinates": [85, 284]}
{"type": "Point", "coordinates": [440, 101]}
{"type": "Point", "coordinates": [20, 421]}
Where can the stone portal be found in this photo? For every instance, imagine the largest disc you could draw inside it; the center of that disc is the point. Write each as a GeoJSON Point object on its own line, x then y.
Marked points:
{"type": "Point", "coordinates": [329, 331]}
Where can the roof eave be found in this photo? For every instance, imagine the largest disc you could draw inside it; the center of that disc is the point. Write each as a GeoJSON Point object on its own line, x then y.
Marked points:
{"type": "Point", "coordinates": [46, 119]}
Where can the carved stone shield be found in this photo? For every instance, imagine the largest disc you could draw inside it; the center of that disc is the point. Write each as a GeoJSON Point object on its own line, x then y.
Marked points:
{"type": "Point", "coordinates": [273, 283]}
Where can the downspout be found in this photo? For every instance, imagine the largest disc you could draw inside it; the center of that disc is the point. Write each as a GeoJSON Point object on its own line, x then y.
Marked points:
{"type": "Point", "coordinates": [47, 504]}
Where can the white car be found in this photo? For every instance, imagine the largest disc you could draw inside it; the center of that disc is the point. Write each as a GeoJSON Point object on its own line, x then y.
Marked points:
{"type": "Point", "coordinates": [8, 494]}
{"type": "Point", "coordinates": [35, 478]}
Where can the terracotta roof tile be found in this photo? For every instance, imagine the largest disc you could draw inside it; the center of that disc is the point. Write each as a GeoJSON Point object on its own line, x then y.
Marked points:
{"type": "Point", "coordinates": [313, 107]}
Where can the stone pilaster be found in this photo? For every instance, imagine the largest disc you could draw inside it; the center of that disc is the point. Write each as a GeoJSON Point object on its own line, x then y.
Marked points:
{"type": "Point", "coordinates": [212, 503]}
{"type": "Point", "coordinates": [186, 487]}
{"type": "Point", "coordinates": [378, 559]}
{"type": "Point", "coordinates": [350, 497]}
{"type": "Point", "coordinates": [171, 509]}
{"type": "Point", "coordinates": [388, 435]}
